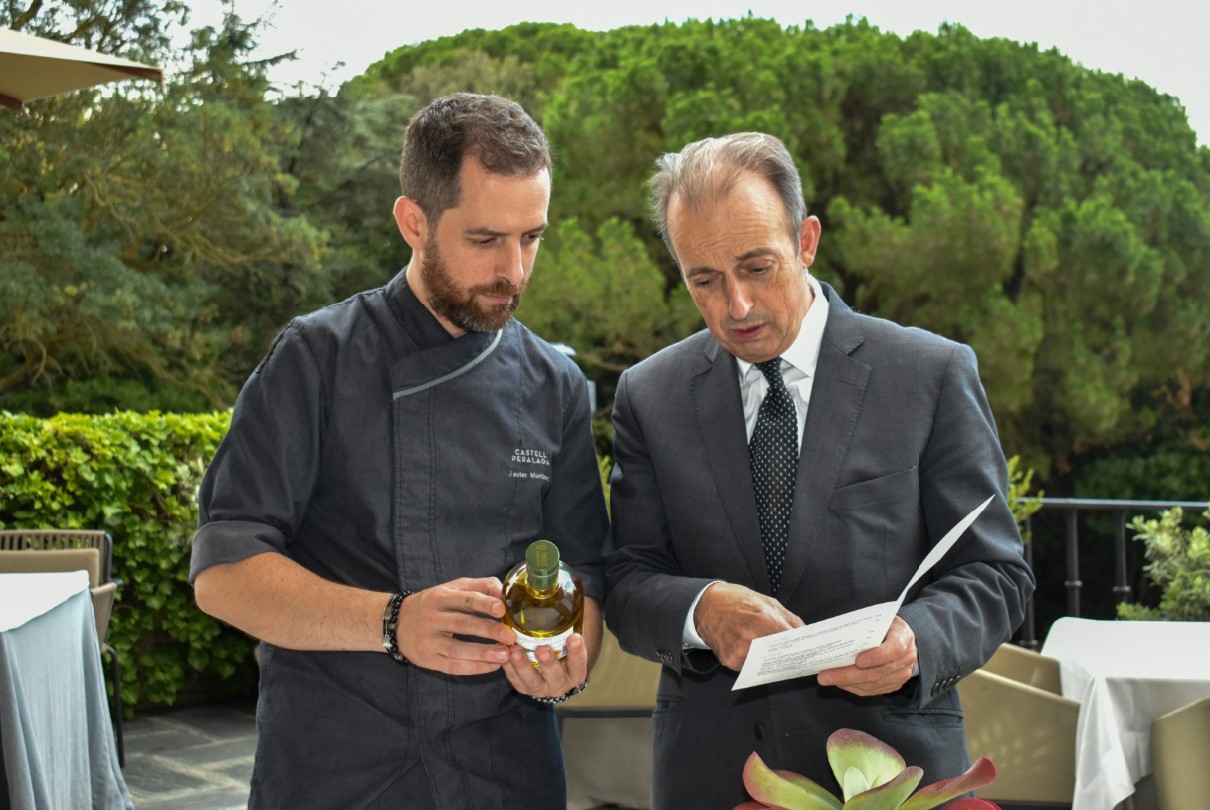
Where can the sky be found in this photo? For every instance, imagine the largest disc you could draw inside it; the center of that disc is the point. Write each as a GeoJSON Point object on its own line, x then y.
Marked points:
{"type": "Point", "coordinates": [1161, 42]}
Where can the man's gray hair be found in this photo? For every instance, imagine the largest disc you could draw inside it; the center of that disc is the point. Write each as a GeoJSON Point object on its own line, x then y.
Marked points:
{"type": "Point", "coordinates": [706, 170]}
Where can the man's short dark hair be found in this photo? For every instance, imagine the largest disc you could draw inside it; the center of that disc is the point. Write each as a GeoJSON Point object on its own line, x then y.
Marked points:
{"type": "Point", "coordinates": [495, 131]}
{"type": "Point", "coordinates": [707, 169]}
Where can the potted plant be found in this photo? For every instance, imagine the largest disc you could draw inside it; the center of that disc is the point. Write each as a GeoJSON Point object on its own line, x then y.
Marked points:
{"type": "Point", "coordinates": [872, 776]}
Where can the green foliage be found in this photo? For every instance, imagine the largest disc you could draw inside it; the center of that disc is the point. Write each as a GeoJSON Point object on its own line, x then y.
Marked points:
{"type": "Point", "coordinates": [1179, 564]}
{"type": "Point", "coordinates": [1170, 463]}
{"type": "Point", "coordinates": [603, 295]}
{"type": "Point", "coordinates": [144, 238]}
{"type": "Point", "coordinates": [1055, 218]}
{"type": "Point", "coordinates": [605, 467]}
{"type": "Point", "coordinates": [1020, 501]}
{"type": "Point", "coordinates": [135, 476]}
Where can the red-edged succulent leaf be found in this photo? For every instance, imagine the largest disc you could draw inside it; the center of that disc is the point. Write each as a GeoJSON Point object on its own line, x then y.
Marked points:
{"type": "Point", "coordinates": [814, 788]}
{"type": "Point", "coordinates": [861, 762]}
{"type": "Point", "coordinates": [981, 774]}
{"type": "Point", "coordinates": [784, 789]}
{"type": "Point", "coordinates": [889, 795]}
{"type": "Point", "coordinates": [972, 804]}
{"type": "Point", "coordinates": [751, 806]}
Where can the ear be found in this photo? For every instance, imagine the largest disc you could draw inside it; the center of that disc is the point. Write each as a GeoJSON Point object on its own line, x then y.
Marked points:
{"type": "Point", "coordinates": [413, 225]}
{"type": "Point", "coordinates": [810, 239]}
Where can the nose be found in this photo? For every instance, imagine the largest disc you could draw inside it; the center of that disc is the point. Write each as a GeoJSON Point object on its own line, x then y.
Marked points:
{"type": "Point", "coordinates": [512, 263]}
{"type": "Point", "coordinates": [739, 303]}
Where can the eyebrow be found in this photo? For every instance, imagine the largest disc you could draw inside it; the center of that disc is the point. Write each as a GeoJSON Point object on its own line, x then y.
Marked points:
{"type": "Point", "coordinates": [481, 231]}
{"type": "Point", "coordinates": [755, 253]}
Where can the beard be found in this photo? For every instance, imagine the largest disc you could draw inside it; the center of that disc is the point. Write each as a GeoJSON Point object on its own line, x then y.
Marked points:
{"type": "Point", "coordinates": [462, 307]}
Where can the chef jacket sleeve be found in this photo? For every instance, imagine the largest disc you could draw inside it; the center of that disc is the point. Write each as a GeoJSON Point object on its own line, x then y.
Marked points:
{"type": "Point", "coordinates": [255, 493]}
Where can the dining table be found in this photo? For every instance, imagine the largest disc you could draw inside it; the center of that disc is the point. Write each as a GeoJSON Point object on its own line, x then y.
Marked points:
{"type": "Point", "coordinates": [57, 744]}
{"type": "Point", "coordinates": [1124, 674]}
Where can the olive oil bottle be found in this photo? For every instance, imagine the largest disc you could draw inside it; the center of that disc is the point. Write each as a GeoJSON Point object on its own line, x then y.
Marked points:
{"type": "Point", "coordinates": [543, 600]}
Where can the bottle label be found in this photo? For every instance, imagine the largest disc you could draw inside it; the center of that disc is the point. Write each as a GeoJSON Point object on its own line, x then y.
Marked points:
{"type": "Point", "coordinates": [558, 643]}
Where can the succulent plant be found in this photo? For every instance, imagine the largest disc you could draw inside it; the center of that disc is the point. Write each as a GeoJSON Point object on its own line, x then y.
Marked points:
{"type": "Point", "coordinates": [872, 776]}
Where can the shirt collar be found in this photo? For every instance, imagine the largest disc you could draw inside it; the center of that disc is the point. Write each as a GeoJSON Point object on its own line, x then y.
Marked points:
{"type": "Point", "coordinates": [803, 353]}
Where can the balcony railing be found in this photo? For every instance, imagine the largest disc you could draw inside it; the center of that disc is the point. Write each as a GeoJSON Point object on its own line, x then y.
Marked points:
{"type": "Point", "coordinates": [1122, 511]}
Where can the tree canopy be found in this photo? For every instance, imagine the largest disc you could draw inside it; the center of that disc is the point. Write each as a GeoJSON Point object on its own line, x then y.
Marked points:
{"type": "Point", "coordinates": [1054, 217]}
{"type": "Point", "coordinates": [147, 253]}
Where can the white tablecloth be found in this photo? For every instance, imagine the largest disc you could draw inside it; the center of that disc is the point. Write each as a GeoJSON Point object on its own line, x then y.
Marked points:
{"type": "Point", "coordinates": [1124, 674]}
{"type": "Point", "coordinates": [27, 596]}
{"type": "Point", "coordinates": [56, 741]}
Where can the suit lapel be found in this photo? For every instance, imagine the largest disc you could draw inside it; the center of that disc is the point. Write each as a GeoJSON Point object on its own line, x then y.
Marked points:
{"type": "Point", "coordinates": [720, 421]}
{"type": "Point", "coordinates": [837, 395]}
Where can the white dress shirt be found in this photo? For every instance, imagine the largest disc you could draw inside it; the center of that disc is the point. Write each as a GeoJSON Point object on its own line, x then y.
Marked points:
{"type": "Point", "coordinates": [798, 364]}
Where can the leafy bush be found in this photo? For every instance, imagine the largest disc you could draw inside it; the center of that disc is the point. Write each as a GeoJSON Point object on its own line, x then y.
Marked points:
{"type": "Point", "coordinates": [135, 476]}
{"type": "Point", "coordinates": [1019, 482]}
{"type": "Point", "coordinates": [1179, 564]}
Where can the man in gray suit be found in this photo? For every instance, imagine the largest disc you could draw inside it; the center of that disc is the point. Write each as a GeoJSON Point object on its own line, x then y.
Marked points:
{"type": "Point", "coordinates": [890, 443]}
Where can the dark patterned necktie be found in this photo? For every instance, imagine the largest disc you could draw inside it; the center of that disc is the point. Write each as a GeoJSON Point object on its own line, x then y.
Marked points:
{"type": "Point", "coordinates": [773, 454]}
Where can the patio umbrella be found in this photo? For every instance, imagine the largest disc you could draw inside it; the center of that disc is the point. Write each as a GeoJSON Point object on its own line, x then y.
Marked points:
{"type": "Point", "coordinates": [33, 67]}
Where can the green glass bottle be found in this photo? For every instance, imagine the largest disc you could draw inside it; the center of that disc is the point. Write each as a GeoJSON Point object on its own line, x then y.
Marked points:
{"type": "Point", "coordinates": [543, 600]}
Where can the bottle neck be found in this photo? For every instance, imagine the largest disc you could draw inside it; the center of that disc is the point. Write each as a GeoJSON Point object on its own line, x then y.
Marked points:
{"type": "Point", "coordinates": [543, 592]}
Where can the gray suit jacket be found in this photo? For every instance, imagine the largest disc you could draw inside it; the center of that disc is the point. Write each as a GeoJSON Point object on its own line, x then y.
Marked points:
{"type": "Point", "coordinates": [899, 445]}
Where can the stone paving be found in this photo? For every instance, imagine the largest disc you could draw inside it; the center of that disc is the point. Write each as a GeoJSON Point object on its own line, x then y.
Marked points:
{"type": "Point", "coordinates": [200, 758]}
{"type": "Point", "coordinates": [191, 759]}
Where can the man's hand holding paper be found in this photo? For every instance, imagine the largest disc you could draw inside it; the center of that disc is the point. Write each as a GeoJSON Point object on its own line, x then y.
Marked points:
{"type": "Point", "coordinates": [728, 617]}
{"type": "Point", "coordinates": [881, 670]}
{"type": "Point", "coordinates": [874, 639]}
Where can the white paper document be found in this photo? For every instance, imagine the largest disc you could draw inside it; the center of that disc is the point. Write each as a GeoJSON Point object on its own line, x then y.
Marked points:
{"type": "Point", "coordinates": [835, 642]}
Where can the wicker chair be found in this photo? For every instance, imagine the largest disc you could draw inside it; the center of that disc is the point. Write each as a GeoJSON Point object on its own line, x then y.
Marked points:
{"type": "Point", "coordinates": [28, 550]}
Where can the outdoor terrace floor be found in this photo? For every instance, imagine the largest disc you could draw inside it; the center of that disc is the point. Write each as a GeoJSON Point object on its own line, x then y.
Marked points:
{"type": "Point", "coordinates": [197, 758]}
{"type": "Point", "coordinates": [200, 757]}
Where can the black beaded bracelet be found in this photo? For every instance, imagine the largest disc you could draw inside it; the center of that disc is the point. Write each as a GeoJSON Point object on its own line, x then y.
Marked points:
{"type": "Point", "coordinates": [390, 623]}
{"type": "Point", "coordinates": [575, 690]}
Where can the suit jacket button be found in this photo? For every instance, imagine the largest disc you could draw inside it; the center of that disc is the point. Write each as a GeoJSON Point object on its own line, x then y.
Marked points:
{"type": "Point", "coordinates": [758, 731]}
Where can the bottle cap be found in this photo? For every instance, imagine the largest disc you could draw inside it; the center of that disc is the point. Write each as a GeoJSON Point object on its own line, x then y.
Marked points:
{"type": "Point", "coordinates": [542, 564]}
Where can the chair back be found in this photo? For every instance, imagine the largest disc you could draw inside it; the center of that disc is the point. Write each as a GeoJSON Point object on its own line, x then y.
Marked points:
{"type": "Point", "coordinates": [51, 539]}
{"type": "Point", "coordinates": [1180, 741]}
{"type": "Point", "coordinates": [1026, 666]}
{"type": "Point", "coordinates": [49, 550]}
{"type": "Point", "coordinates": [40, 561]}
{"type": "Point", "coordinates": [1028, 733]}
{"type": "Point", "coordinates": [622, 685]}
{"type": "Point", "coordinates": [35, 550]}
{"type": "Point", "coordinates": [607, 746]}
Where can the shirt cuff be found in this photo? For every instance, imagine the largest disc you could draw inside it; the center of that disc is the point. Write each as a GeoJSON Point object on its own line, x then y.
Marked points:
{"type": "Point", "coordinates": [690, 640]}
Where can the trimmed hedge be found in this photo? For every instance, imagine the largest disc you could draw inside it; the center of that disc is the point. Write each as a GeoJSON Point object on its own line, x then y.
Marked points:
{"type": "Point", "coordinates": [136, 476]}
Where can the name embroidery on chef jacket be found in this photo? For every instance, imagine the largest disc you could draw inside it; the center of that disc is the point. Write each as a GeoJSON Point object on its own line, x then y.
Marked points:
{"type": "Point", "coordinates": [537, 458]}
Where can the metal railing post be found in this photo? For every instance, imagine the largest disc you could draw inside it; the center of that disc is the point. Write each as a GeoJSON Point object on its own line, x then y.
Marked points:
{"type": "Point", "coordinates": [1122, 589]}
{"type": "Point", "coordinates": [1073, 564]}
{"type": "Point", "coordinates": [1029, 633]}
{"type": "Point", "coordinates": [1071, 508]}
